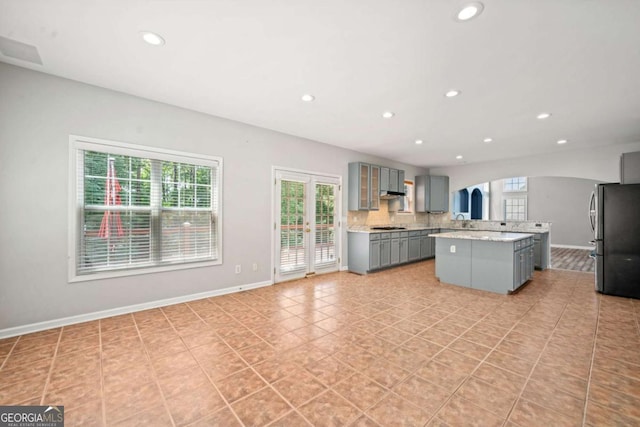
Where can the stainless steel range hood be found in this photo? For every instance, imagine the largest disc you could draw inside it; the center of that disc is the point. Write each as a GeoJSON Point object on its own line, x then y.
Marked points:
{"type": "Point", "coordinates": [388, 195]}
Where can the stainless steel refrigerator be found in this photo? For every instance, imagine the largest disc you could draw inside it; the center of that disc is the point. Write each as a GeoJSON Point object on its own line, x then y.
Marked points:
{"type": "Point", "coordinates": [615, 219]}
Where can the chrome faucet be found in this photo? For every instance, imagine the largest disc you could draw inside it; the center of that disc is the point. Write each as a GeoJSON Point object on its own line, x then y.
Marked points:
{"type": "Point", "coordinates": [459, 215]}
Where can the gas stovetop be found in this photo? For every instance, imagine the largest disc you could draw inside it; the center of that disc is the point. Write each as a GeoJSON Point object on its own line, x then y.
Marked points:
{"type": "Point", "coordinates": [388, 228]}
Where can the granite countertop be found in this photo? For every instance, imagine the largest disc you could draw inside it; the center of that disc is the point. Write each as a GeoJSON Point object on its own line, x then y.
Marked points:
{"type": "Point", "coordinates": [521, 227]}
{"type": "Point", "coordinates": [491, 236]}
{"type": "Point", "coordinates": [369, 229]}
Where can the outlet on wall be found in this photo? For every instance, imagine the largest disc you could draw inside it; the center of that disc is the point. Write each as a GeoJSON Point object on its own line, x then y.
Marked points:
{"type": "Point", "coordinates": [452, 249]}
{"type": "Point", "coordinates": [238, 269]}
{"type": "Point", "coordinates": [255, 266]}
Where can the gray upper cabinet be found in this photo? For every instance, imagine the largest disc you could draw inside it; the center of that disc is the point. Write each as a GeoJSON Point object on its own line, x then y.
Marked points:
{"type": "Point", "coordinates": [384, 179]}
{"type": "Point", "coordinates": [366, 181]}
{"type": "Point", "coordinates": [364, 187]}
{"type": "Point", "coordinates": [374, 187]}
{"type": "Point", "coordinates": [391, 179]}
{"type": "Point", "coordinates": [432, 193]}
{"type": "Point", "coordinates": [630, 168]}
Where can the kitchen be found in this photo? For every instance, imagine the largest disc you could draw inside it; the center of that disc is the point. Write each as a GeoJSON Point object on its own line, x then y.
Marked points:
{"type": "Point", "coordinates": [60, 78]}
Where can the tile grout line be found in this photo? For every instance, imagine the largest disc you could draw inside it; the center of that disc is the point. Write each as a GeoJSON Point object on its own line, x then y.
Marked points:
{"type": "Point", "coordinates": [4, 362]}
{"type": "Point", "coordinates": [102, 398]}
{"type": "Point", "coordinates": [228, 405]}
{"type": "Point", "coordinates": [488, 354]}
{"type": "Point", "coordinates": [528, 378]}
{"type": "Point", "coordinates": [250, 366]}
{"type": "Point", "coordinates": [389, 390]}
{"type": "Point", "coordinates": [53, 360]}
{"type": "Point", "coordinates": [593, 356]}
{"type": "Point", "coordinates": [478, 365]}
{"type": "Point", "coordinates": [153, 371]}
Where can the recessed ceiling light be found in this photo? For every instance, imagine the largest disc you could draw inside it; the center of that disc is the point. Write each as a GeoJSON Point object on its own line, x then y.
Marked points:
{"type": "Point", "coordinates": [388, 114]}
{"type": "Point", "coordinates": [562, 141]}
{"type": "Point", "coordinates": [308, 98]}
{"type": "Point", "coordinates": [452, 93]}
{"type": "Point", "coordinates": [419, 141]}
{"type": "Point", "coordinates": [459, 157]}
{"type": "Point", "coordinates": [152, 38]}
{"type": "Point", "coordinates": [543, 116]}
{"type": "Point", "coordinates": [469, 11]}
{"type": "Point", "coordinates": [487, 140]}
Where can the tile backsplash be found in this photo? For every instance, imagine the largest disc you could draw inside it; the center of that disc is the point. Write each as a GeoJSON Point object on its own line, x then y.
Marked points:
{"type": "Point", "coordinates": [384, 217]}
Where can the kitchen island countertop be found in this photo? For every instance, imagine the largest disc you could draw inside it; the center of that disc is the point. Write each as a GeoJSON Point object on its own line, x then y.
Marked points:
{"type": "Point", "coordinates": [492, 236]}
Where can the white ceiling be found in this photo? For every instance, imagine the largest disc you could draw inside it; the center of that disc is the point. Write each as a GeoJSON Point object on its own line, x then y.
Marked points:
{"type": "Point", "coordinates": [251, 60]}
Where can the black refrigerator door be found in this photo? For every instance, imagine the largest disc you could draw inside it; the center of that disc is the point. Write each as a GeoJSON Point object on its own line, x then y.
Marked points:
{"type": "Point", "coordinates": [621, 240]}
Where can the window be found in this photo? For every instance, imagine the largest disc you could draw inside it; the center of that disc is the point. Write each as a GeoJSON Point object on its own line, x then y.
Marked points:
{"type": "Point", "coordinates": [407, 200]}
{"type": "Point", "coordinates": [137, 209]}
{"type": "Point", "coordinates": [515, 209]}
{"type": "Point", "coordinates": [518, 183]}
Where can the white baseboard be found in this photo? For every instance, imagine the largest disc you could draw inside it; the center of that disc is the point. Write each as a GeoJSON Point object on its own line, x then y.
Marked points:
{"type": "Point", "coordinates": [56, 323]}
{"type": "Point", "coordinates": [344, 268]}
{"type": "Point", "coordinates": [573, 247]}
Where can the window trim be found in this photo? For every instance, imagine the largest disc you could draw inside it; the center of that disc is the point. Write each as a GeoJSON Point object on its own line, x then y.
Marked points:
{"type": "Point", "coordinates": [78, 143]}
{"type": "Point", "coordinates": [409, 195]}
{"type": "Point", "coordinates": [515, 197]}
{"type": "Point", "coordinates": [526, 185]}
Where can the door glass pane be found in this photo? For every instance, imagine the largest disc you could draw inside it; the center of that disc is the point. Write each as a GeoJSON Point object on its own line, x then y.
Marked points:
{"type": "Point", "coordinates": [325, 246]}
{"type": "Point", "coordinates": [292, 213]}
{"type": "Point", "coordinates": [375, 188]}
{"type": "Point", "coordinates": [364, 186]}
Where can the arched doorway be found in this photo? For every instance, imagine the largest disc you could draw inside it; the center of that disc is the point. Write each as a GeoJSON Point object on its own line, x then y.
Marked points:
{"type": "Point", "coordinates": [476, 204]}
{"type": "Point", "coordinates": [463, 198]}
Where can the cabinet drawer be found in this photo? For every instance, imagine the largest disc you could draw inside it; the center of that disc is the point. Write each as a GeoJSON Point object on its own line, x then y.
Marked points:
{"type": "Point", "coordinates": [414, 233]}
{"type": "Point", "coordinates": [517, 245]}
{"type": "Point", "coordinates": [425, 232]}
{"type": "Point", "coordinates": [385, 236]}
{"type": "Point", "coordinates": [395, 235]}
{"type": "Point", "coordinates": [404, 234]}
{"type": "Point", "coordinates": [374, 236]}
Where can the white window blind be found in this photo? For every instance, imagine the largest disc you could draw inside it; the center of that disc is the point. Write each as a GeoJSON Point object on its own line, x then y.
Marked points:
{"type": "Point", "coordinates": [139, 208]}
{"type": "Point", "coordinates": [292, 228]}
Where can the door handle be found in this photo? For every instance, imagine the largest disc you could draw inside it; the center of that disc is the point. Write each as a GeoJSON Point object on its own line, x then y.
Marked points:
{"type": "Point", "coordinates": [308, 230]}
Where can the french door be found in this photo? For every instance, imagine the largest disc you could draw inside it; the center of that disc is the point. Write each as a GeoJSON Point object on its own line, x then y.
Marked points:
{"type": "Point", "coordinates": [306, 224]}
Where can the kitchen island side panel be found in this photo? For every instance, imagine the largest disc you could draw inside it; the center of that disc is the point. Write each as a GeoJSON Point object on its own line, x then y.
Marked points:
{"type": "Point", "coordinates": [492, 266]}
{"type": "Point", "coordinates": [453, 267]}
{"type": "Point", "coordinates": [358, 252]}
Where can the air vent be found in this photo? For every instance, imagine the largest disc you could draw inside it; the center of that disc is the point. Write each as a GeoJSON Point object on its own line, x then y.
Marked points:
{"type": "Point", "coordinates": [18, 50]}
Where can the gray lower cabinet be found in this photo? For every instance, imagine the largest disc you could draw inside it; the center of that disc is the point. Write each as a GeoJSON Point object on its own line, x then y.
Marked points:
{"type": "Point", "coordinates": [374, 255]}
{"type": "Point", "coordinates": [404, 248]}
{"type": "Point", "coordinates": [385, 250]}
{"type": "Point", "coordinates": [488, 265]}
{"type": "Point", "coordinates": [523, 261]}
{"type": "Point", "coordinates": [395, 251]}
{"type": "Point", "coordinates": [427, 244]}
{"type": "Point", "coordinates": [373, 251]}
{"type": "Point", "coordinates": [414, 245]}
{"type": "Point", "coordinates": [541, 251]}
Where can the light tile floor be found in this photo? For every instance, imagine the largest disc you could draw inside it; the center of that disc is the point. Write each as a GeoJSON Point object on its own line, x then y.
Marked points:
{"type": "Point", "coordinates": [395, 348]}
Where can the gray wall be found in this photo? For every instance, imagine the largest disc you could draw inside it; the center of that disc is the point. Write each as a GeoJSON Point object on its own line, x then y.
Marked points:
{"type": "Point", "coordinates": [38, 112]}
{"type": "Point", "coordinates": [598, 163]}
{"type": "Point", "coordinates": [564, 203]}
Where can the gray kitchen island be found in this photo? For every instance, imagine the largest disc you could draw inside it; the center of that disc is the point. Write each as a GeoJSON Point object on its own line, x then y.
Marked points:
{"type": "Point", "coordinates": [487, 260]}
